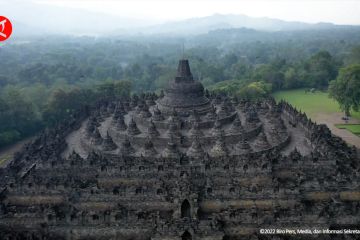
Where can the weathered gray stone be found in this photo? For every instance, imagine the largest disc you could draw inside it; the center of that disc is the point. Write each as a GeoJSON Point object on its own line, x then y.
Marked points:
{"type": "Point", "coordinates": [184, 173]}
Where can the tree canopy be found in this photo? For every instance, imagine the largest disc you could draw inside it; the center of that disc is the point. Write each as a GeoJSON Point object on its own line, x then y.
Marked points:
{"type": "Point", "coordinates": [346, 88]}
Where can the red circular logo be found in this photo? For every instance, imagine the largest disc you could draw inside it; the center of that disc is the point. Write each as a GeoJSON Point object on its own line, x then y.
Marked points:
{"type": "Point", "coordinates": [5, 28]}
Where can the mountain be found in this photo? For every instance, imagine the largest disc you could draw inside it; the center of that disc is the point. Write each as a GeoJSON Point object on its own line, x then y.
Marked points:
{"type": "Point", "coordinates": [34, 18]}
{"type": "Point", "coordinates": [31, 18]}
{"type": "Point", "coordinates": [202, 25]}
{"type": "Point", "coordinates": [235, 36]}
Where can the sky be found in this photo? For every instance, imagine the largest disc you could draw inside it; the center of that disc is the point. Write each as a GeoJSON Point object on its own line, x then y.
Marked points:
{"type": "Point", "coordinates": [312, 11]}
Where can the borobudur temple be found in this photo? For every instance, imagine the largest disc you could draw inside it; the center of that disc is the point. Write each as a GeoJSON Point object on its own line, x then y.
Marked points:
{"type": "Point", "coordinates": [187, 164]}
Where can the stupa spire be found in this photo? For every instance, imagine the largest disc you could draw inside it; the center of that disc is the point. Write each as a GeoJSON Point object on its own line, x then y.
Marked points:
{"type": "Point", "coordinates": [183, 71]}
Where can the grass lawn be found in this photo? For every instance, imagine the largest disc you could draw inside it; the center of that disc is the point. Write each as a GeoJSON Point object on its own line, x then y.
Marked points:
{"type": "Point", "coordinates": [4, 158]}
{"type": "Point", "coordinates": [311, 103]}
{"type": "Point", "coordinates": [354, 128]}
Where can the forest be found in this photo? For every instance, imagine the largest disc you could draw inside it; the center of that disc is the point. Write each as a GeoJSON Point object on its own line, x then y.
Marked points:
{"type": "Point", "coordinates": [43, 80]}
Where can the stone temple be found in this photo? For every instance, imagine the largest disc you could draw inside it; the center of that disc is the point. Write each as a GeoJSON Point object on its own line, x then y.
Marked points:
{"type": "Point", "coordinates": [182, 165]}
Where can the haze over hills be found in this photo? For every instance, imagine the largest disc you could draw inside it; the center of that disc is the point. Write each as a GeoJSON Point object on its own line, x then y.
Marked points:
{"type": "Point", "coordinates": [37, 19]}
{"type": "Point", "coordinates": [225, 21]}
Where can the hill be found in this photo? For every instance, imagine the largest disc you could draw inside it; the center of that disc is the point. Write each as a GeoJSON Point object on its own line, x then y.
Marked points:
{"type": "Point", "coordinates": [226, 21]}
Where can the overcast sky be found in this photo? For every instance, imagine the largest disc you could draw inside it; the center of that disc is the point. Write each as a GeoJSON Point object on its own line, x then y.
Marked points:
{"type": "Point", "coordinates": [312, 11]}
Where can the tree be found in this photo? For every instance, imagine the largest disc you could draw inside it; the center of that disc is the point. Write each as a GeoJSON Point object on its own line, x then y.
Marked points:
{"type": "Point", "coordinates": [122, 88]}
{"type": "Point", "coordinates": [345, 89]}
{"type": "Point", "coordinates": [111, 89]}
{"type": "Point", "coordinates": [227, 87]}
{"type": "Point", "coordinates": [255, 90]}
{"type": "Point", "coordinates": [321, 69]}
{"type": "Point", "coordinates": [17, 116]}
{"type": "Point", "coordinates": [291, 78]}
{"type": "Point", "coordinates": [230, 59]}
{"type": "Point", "coordinates": [63, 104]}
{"type": "Point", "coordinates": [270, 74]}
{"type": "Point", "coordinates": [240, 71]}
{"type": "Point", "coordinates": [354, 56]}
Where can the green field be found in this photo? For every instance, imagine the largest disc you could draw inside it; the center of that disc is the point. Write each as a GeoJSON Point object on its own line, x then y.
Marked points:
{"type": "Point", "coordinates": [311, 103]}
{"type": "Point", "coordinates": [354, 128]}
{"type": "Point", "coordinates": [314, 103]}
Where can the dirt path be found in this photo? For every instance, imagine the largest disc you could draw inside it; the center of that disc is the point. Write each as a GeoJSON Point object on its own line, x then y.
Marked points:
{"type": "Point", "coordinates": [7, 153]}
{"type": "Point", "coordinates": [330, 119]}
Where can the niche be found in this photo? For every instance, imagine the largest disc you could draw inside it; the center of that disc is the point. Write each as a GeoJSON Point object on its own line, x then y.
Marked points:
{"type": "Point", "coordinates": [116, 191]}
{"type": "Point", "coordinates": [186, 236]}
{"type": "Point", "coordinates": [138, 190]}
{"type": "Point", "coordinates": [73, 217]}
{"type": "Point", "coordinates": [185, 209]}
{"type": "Point", "coordinates": [245, 167]}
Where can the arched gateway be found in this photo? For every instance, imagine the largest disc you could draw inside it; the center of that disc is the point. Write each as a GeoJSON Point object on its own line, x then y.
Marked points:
{"type": "Point", "coordinates": [186, 236]}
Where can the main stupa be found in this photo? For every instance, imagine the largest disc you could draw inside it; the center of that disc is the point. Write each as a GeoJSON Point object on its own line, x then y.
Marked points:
{"type": "Point", "coordinates": [183, 93]}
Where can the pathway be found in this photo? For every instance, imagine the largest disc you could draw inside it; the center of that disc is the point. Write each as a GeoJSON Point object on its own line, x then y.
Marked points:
{"type": "Point", "coordinates": [330, 119]}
